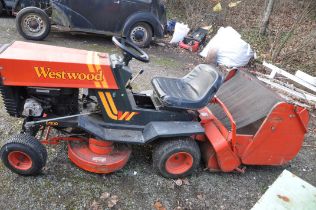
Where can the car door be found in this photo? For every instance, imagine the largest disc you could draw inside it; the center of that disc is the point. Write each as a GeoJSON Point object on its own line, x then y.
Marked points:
{"type": "Point", "coordinates": [104, 15]}
{"type": "Point", "coordinates": [100, 15]}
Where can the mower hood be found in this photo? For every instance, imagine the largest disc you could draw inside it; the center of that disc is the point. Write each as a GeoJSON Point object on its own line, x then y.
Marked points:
{"type": "Point", "coordinates": [29, 64]}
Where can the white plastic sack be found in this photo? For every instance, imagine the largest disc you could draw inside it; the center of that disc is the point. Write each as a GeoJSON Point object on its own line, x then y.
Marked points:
{"type": "Point", "coordinates": [180, 31]}
{"type": "Point", "coordinates": [230, 49]}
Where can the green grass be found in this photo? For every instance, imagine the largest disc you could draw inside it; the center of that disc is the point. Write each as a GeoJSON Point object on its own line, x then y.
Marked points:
{"type": "Point", "coordinates": [103, 48]}
{"type": "Point", "coordinates": [165, 62]}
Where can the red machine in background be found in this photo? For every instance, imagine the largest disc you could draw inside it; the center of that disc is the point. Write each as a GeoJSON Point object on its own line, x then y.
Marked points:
{"type": "Point", "coordinates": [193, 41]}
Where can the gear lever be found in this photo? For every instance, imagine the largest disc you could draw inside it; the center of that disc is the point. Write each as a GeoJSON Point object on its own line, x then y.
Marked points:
{"type": "Point", "coordinates": [128, 85]}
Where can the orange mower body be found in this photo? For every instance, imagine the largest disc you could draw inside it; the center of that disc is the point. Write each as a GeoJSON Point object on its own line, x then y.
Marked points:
{"type": "Point", "coordinates": [87, 96]}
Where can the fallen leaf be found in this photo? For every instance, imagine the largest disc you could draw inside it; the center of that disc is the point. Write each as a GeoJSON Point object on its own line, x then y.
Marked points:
{"type": "Point", "coordinates": [178, 182]}
{"type": "Point", "coordinates": [95, 205]}
{"type": "Point", "coordinates": [114, 198]}
{"type": "Point", "coordinates": [111, 204]}
{"type": "Point", "coordinates": [105, 196]}
{"type": "Point", "coordinates": [112, 201]}
{"type": "Point", "coordinates": [284, 198]}
{"type": "Point", "coordinates": [217, 7]}
{"type": "Point", "coordinates": [233, 4]}
{"type": "Point", "coordinates": [158, 206]}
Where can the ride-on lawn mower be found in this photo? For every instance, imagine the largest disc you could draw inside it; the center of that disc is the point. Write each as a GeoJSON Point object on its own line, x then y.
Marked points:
{"type": "Point", "coordinates": [88, 97]}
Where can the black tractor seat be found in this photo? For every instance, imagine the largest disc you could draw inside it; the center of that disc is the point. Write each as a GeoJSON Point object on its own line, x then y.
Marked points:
{"type": "Point", "coordinates": [193, 91]}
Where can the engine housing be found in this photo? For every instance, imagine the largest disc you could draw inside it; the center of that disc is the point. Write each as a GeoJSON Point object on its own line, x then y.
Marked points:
{"type": "Point", "coordinates": [56, 101]}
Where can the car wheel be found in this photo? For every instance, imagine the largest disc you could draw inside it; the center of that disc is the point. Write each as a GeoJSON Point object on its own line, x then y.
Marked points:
{"type": "Point", "coordinates": [24, 155]}
{"type": "Point", "coordinates": [33, 23]}
{"type": "Point", "coordinates": [176, 158]}
{"type": "Point", "coordinates": [141, 34]}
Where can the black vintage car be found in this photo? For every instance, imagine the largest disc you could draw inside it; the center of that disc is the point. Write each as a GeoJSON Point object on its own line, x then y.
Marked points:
{"type": "Point", "coordinates": [6, 6]}
{"type": "Point", "coordinates": [137, 20]}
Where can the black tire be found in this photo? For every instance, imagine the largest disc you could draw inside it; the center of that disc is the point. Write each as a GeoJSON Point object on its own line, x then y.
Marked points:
{"type": "Point", "coordinates": [33, 132]}
{"type": "Point", "coordinates": [33, 23]}
{"type": "Point", "coordinates": [168, 148]}
{"type": "Point", "coordinates": [137, 28]}
{"type": "Point", "coordinates": [29, 152]}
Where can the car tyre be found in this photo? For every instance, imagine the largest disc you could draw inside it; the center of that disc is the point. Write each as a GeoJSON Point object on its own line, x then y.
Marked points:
{"type": "Point", "coordinates": [24, 155]}
{"type": "Point", "coordinates": [33, 23]}
{"type": "Point", "coordinates": [140, 34]}
{"type": "Point", "coordinates": [176, 158]}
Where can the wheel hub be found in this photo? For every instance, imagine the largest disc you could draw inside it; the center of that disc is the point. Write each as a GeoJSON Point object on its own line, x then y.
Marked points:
{"type": "Point", "coordinates": [20, 160]}
{"type": "Point", "coordinates": [33, 23]}
{"type": "Point", "coordinates": [139, 34]}
{"type": "Point", "coordinates": [179, 163]}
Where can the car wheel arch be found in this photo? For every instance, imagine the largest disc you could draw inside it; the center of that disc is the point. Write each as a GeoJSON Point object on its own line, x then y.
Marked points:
{"type": "Point", "coordinates": [144, 17]}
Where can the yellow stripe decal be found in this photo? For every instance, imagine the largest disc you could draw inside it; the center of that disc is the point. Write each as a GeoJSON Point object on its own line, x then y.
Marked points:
{"type": "Point", "coordinates": [104, 84]}
{"type": "Point", "coordinates": [123, 116]}
{"type": "Point", "coordinates": [97, 62]}
{"type": "Point", "coordinates": [130, 116]}
{"type": "Point", "coordinates": [112, 104]}
{"type": "Point", "coordinates": [97, 84]}
{"type": "Point", "coordinates": [89, 62]}
{"type": "Point", "coordinates": [91, 67]}
{"type": "Point", "coordinates": [106, 106]}
{"type": "Point", "coordinates": [98, 68]}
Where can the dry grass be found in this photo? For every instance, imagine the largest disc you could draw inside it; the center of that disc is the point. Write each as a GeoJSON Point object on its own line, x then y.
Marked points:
{"type": "Point", "coordinates": [299, 52]}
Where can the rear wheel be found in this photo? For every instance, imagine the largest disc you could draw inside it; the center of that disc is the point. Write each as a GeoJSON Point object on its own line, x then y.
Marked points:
{"type": "Point", "coordinates": [33, 23]}
{"type": "Point", "coordinates": [140, 34]}
{"type": "Point", "coordinates": [24, 155]}
{"type": "Point", "coordinates": [175, 158]}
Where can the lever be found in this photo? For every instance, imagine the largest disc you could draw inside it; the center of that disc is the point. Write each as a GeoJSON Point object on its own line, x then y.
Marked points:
{"type": "Point", "coordinates": [116, 2]}
{"type": "Point", "coordinates": [133, 79]}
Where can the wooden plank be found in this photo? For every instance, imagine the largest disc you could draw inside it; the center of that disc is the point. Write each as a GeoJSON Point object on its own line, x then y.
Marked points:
{"type": "Point", "coordinates": [277, 70]}
{"type": "Point", "coordinates": [306, 77]}
{"type": "Point", "coordinates": [302, 95]}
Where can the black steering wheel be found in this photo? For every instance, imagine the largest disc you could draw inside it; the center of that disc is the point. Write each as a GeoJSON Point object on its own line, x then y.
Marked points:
{"type": "Point", "coordinates": [130, 50]}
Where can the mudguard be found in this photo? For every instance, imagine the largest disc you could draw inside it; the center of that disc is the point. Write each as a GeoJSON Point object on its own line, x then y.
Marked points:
{"type": "Point", "coordinates": [65, 16]}
{"type": "Point", "coordinates": [147, 17]}
{"type": "Point", "coordinates": [20, 4]}
{"type": "Point", "coordinates": [151, 132]}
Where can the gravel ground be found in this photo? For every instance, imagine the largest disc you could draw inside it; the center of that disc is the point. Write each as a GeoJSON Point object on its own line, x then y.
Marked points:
{"type": "Point", "coordinates": [63, 186]}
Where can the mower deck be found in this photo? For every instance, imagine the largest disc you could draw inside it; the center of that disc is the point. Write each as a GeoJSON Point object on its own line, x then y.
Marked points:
{"type": "Point", "coordinates": [98, 156]}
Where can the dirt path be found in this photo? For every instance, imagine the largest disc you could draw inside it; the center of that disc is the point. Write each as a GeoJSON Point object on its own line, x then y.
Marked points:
{"type": "Point", "coordinates": [63, 186]}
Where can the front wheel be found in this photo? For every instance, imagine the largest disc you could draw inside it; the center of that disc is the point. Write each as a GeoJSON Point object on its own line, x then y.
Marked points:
{"type": "Point", "coordinates": [175, 158]}
{"type": "Point", "coordinates": [33, 23]}
{"type": "Point", "coordinates": [24, 155]}
{"type": "Point", "coordinates": [140, 34]}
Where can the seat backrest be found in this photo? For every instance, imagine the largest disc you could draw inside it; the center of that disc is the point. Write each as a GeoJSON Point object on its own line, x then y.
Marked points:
{"type": "Point", "coordinates": [201, 79]}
